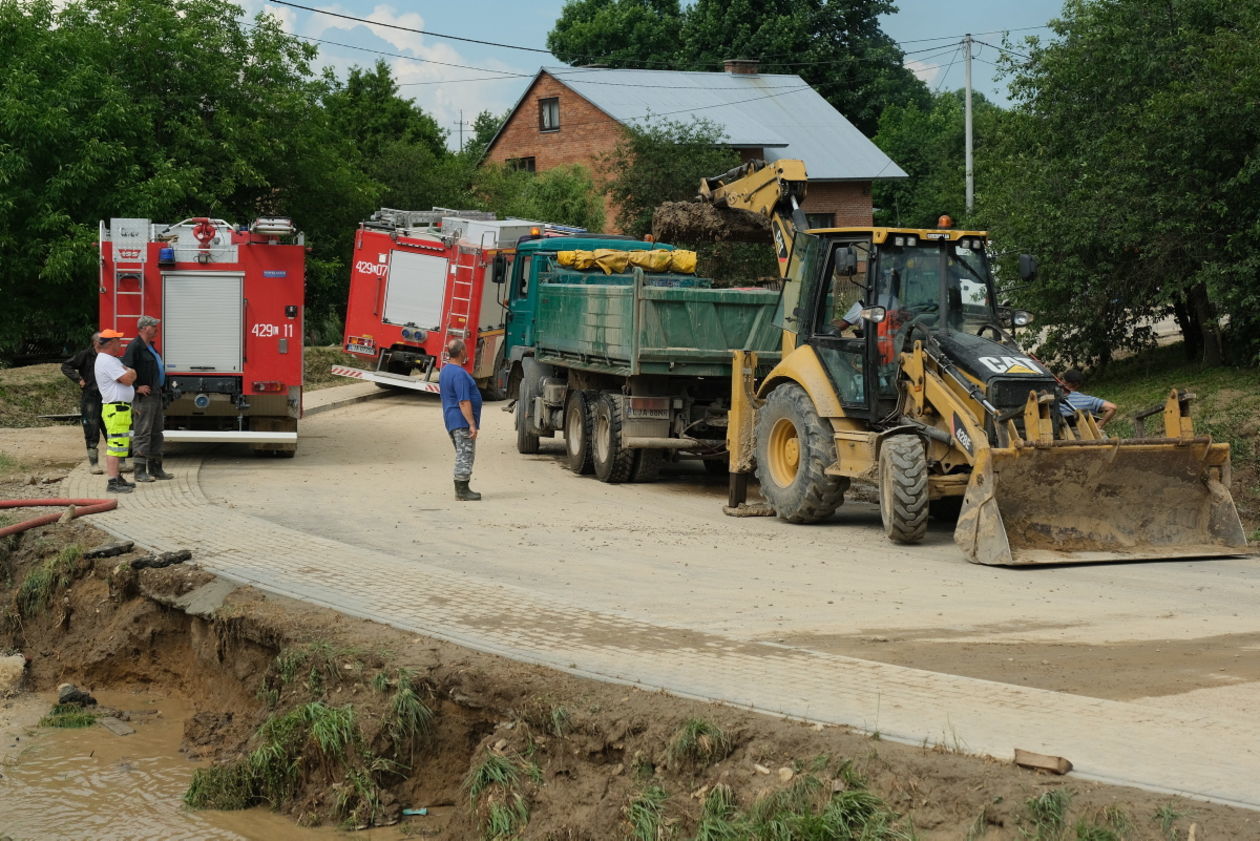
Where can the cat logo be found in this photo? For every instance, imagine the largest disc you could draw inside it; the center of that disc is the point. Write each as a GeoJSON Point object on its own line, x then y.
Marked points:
{"type": "Point", "coordinates": [1011, 365]}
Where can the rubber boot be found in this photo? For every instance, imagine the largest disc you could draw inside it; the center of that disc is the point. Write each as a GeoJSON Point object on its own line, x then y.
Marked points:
{"type": "Point", "coordinates": [94, 462]}
{"type": "Point", "coordinates": [142, 471]}
{"type": "Point", "coordinates": [156, 471]}
{"type": "Point", "coordinates": [117, 486]}
{"type": "Point", "coordinates": [462, 492]}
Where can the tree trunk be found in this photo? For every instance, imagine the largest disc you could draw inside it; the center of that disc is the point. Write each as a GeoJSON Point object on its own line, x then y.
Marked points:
{"type": "Point", "coordinates": [1191, 330]}
{"type": "Point", "coordinates": [1210, 330]}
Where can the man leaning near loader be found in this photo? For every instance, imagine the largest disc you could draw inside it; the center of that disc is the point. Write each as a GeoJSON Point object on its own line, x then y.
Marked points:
{"type": "Point", "coordinates": [114, 380]}
{"type": "Point", "coordinates": [149, 409]}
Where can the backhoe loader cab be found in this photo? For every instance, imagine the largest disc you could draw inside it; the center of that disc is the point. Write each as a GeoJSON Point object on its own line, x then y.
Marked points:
{"type": "Point", "coordinates": [899, 367]}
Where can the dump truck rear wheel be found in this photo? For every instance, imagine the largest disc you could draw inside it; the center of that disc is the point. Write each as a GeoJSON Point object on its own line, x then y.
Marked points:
{"type": "Point", "coordinates": [794, 448]}
{"type": "Point", "coordinates": [903, 489]}
{"type": "Point", "coordinates": [526, 441]}
{"type": "Point", "coordinates": [577, 432]}
{"type": "Point", "coordinates": [613, 463]}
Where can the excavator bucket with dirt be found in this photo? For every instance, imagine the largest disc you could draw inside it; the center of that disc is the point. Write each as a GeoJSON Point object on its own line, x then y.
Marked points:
{"type": "Point", "coordinates": [1095, 500]}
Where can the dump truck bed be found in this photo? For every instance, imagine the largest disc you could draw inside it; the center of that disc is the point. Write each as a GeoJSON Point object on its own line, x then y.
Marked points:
{"type": "Point", "coordinates": [634, 324]}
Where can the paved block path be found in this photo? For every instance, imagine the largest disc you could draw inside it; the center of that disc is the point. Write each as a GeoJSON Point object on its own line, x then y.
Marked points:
{"type": "Point", "coordinates": [1126, 743]}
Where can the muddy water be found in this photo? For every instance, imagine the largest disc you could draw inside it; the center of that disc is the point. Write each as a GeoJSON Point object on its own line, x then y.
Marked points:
{"type": "Point", "coordinates": [91, 784]}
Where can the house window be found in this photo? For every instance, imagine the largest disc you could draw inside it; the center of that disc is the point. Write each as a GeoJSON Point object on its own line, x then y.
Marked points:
{"type": "Point", "coordinates": [524, 164]}
{"type": "Point", "coordinates": [820, 220]}
{"type": "Point", "coordinates": [549, 114]}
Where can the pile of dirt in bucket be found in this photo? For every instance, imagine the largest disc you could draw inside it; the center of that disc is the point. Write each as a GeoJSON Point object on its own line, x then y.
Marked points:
{"type": "Point", "coordinates": [695, 221]}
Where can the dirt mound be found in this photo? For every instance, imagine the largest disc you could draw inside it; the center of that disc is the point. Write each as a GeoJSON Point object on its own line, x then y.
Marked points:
{"type": "Point", "coordinates": [694, 221]}
{"type": "Point", "coordinates": [371, 721]}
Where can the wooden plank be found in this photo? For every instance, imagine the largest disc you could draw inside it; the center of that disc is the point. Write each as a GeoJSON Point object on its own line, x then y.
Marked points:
{"type": "Point", "coordinates": [1042, 762]}
{"type": "Point", "coordinates": [116, 725]}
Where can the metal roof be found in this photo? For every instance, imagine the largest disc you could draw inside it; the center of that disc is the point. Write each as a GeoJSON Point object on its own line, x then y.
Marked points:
{"type": "Point", "coordinates": [779, 113]}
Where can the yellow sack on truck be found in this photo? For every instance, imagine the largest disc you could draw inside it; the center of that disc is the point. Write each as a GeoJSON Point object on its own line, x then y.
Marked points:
{"type": "Point", "coordinates": [683, 262]}
{"type": "Point", "coordinates": [656, 260]}
{"type": "Point", "coordinates": [571, 259]}
{"type": "Point", "coordinates": [611, 260]}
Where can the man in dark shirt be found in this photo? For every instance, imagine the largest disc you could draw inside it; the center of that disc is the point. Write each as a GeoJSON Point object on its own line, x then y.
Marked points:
{"type": "Point", "coordinates": [148, 410]}
{"type": "Point", "coordinates": [81, 370]}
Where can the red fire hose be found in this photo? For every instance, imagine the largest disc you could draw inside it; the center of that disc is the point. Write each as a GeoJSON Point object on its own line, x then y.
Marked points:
{"type": "Point", "coordinates": [82, 506]}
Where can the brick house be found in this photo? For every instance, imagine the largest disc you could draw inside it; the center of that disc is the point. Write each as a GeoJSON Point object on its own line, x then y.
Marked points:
{"type": "Point", "coordinates": [576, 115]}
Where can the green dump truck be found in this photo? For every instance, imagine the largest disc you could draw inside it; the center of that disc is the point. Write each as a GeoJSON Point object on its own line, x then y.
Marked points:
{"type": "Point", "coordinates": [630, 363]}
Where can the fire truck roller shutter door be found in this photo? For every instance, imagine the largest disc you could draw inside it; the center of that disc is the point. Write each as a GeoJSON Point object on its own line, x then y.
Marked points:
{"type": "Point", "coordinates": [202, 318]}
{"type": "Point", "coordinates": [416, 287]}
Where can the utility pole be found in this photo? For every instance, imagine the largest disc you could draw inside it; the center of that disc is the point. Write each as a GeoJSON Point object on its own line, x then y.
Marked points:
{"type": "Point", "coordinates": [971, 174]}
{"type": "Point", "coordinates": [461, 125]}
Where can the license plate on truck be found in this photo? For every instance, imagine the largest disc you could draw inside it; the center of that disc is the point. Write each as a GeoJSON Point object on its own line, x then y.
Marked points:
{"type": "Point", "coordinates": [648, 407]}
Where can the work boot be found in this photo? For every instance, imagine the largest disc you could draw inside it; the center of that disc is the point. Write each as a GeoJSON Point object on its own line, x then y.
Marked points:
{"type": "Point", "coordinates": [118, 486]}
{"type": "Point", "coordinates": [94, 462]}
{"type": "Point", "coordinates": [462, 492]}
{"type": "Point", "coordinates": [156, 471]}
{"type": "Point", "coordinates": [142, 471]}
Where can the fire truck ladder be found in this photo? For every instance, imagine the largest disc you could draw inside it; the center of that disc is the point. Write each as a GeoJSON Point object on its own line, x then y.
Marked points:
{"type": "Point", "coordinates": [134, 298]}
{"type": "Point", "coordinates": [459, 320]}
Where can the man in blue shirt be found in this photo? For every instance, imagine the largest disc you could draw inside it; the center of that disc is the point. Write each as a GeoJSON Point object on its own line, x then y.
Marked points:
{"type": "Point", "coordinates": [1104, 410]}
{"type": "Point", "coordinates": [461, 411]}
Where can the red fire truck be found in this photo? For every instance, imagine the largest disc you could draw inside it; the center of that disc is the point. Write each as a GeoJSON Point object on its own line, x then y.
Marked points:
{"type": "Point", "coordinates": [231, 303]}
{"type": "Point", "coordinates": [421, 278]}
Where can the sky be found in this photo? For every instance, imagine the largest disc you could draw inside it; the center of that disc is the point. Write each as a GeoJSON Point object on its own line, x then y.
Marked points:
{"type": "Point", "coordinates": [454, 79]}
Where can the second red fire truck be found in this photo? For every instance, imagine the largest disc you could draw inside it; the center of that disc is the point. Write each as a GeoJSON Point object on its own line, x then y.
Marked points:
{"type": "Point", "coordinates": [421, 278]}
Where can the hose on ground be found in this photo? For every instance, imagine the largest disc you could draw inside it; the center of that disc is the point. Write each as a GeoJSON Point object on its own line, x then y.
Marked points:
{"type": "Point", "coordinates": [79, 507]}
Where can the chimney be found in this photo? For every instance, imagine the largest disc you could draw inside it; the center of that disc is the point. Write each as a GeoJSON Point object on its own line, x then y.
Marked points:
{"type": "Point", "coordinates": [740, 66]}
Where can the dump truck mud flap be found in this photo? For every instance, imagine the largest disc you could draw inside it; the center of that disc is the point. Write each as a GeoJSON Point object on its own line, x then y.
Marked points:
{"type": "Point", "coordinates": [1095, 501]}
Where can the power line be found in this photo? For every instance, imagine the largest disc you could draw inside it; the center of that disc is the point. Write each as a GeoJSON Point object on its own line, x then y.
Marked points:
{"type": "Point", "coordinates": [945, 75]}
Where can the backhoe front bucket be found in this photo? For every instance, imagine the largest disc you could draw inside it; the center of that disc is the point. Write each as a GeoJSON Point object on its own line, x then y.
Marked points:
{"type": "Point", "coordinates": [1105, 500]}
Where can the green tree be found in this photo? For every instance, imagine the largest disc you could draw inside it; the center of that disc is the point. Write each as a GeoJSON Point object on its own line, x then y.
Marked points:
{"type": "Point", "coordinates": [621, 33]}
{"type": "Point", "coordinates": [660, 161]}
{"type": "Point", "coordinates": [1130, 166]}
{"type": "Point", "coordinates": [484, 127]}
{"type": "Point", "coordinates": [563, 195]}
{"type": "Point", "coordinates": [368, 110]}
{"type": "Point", "coordinates": [153, 108]}
{"type": "Point", "coordinates": [837, 46]}
{"type": "Point", "coordinates": [929, 145]}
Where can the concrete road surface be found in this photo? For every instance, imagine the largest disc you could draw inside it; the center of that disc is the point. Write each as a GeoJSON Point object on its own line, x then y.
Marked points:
{"type": "Point", "coordinates": [1139, 673]}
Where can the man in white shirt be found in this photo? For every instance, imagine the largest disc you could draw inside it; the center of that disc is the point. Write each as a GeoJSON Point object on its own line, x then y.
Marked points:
{"type": "Point", "coordinates": [114, 381]}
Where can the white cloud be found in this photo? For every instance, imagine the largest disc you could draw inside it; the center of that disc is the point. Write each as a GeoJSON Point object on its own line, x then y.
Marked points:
{"type": "Point", "coordinates": [444, 91]}
{"type": "Point", "coordinates": [926, 73]}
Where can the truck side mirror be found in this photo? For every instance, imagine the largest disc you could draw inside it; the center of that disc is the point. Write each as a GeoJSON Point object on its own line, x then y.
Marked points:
{"type": "Point", "coordinates": [846, 262]}
{"type": "Point", "coordinates": [498, 274]}
{"type": "Point", "coordinates": [1027, 266]}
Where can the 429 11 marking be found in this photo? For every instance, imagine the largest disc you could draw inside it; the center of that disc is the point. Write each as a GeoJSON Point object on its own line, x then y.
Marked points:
{"type": "Point", "coordinates": [266, 331]}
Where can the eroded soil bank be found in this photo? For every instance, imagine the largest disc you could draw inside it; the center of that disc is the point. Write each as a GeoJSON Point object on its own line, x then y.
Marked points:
{"type": "Point", "coordinates": [337, 721]}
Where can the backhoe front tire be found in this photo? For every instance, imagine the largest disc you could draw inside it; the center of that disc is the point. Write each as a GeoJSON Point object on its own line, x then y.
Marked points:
{"type": "Point", "coordinates": [613, 463]}
{"type": "Point", "coordinates": [903, 489]}
{"type": "Point", "coordinates": [794, 448]}
{"type": "Point", "coordinates": [577, 431]}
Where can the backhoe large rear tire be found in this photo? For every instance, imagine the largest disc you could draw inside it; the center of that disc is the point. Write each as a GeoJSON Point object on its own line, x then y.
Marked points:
{"type": "Point", "coordinates": [613, 463]}
{"type": "Point", "coordinates": [577, 431]}
{"type": "Point", "coordinates": [903, 489]}
{"type": "Point", "coordinates": [794, 447]}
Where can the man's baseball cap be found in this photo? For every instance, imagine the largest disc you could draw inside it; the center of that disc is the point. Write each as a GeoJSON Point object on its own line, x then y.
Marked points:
{"type": "Point", "coordinates": [106, 335]}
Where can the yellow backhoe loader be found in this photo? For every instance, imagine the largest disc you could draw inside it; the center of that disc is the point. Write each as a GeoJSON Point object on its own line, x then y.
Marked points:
{"type": "Point", "coordinates": [934, 400]}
